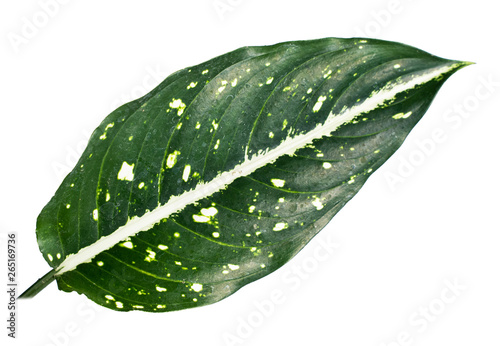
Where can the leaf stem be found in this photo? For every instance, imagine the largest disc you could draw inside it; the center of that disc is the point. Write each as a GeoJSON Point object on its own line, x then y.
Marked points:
{"type": "Point", "coordinates": [43, 282]}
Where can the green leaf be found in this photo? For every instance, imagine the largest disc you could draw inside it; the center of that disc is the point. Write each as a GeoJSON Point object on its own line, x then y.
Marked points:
{"type": "Point", "coordinates": [227, 169]}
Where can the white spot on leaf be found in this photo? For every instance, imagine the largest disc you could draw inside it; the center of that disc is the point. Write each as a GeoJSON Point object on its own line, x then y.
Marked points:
{"type": "Point", "coordinates": [197, 287]}
{"type": "Point", "coordinates": [233, 266]}
{"type": "Point", "coordinates": [278, 182]}
{"type": "Point", "coordinates": [179, 105]}
{"type": "Point", "coordinates": [186, 173]}
{"type": "Point", "coordinates": [280, 226]}
{"type": "Point", "coordinates": [402, 115]}
{"type": "Point", "coordinates": [126, 172]}
{"type": "Point", "coordinates": [172, 159]}
{"type": "Point", "coordinates": [317, 203]}
{"type": "Point", "coordinates": [127, 244]}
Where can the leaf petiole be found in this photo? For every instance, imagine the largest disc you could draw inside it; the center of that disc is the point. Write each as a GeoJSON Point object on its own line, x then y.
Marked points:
{"type": "Point", "coordinates": [41, 283]}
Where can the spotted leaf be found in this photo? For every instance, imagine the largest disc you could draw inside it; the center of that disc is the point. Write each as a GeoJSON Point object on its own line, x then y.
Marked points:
{"type": "Point", "coordinates": [227, 169]}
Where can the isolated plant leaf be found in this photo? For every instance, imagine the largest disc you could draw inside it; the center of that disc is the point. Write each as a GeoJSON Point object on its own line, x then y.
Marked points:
{"type": "Point", "coordinates": [227, 169]}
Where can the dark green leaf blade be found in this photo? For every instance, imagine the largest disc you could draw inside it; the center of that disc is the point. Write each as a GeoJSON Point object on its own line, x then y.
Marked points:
{"type": "Point", "coordinates": [268, 143]}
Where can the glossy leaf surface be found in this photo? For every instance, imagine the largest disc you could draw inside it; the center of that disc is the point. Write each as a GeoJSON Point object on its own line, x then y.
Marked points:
{"type": "Point", "coordinates": [227, 169]}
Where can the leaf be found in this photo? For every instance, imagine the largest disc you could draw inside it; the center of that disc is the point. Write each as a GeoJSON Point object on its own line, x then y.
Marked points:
{"type": "Point", "coordinates": [227, 169]}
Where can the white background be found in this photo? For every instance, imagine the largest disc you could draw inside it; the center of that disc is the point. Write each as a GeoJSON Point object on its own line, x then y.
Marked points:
{"type": "Point", "coordinates": [425, 220]}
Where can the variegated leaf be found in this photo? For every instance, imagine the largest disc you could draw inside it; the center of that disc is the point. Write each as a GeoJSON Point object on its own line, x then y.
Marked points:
{"type": "Point", "coordinates": [227, 169]}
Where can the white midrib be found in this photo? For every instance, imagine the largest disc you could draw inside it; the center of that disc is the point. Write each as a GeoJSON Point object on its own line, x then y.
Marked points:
{"type": "Point", "coordinates": [287, 147]}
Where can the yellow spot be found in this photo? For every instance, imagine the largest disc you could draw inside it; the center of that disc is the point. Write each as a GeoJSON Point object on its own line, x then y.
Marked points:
{"type": "Point", "coordinates": [397, 66]}
{"type": "Point", "coordinates": [278, 182]}
{"type": "Point", "coordinates": [269, 80]}
{"type": "Point", "coordinates": [327, 165]}
{"type": "Point", "coordinates": [216, 234]}
{"type": "Point", "coordinates": [198, 125]}
{"type": "Point", "coordinates": [95, 214]}
{"type": "Point", "coordinates": [119, 305]}
{"type": "Point", "coordinates": [280, 226]}
{"type": "Point", "coordinates": [217, 144]}
{"type": "Point", "coordinates": [68, 206]}
{"type": "Point", "coordinates": [58, 256]}
{"type": "Point", "coordinates": [162, 247]}
{"type": "Point", "coordinates": [268, 63]}
{"type": "Point", "coordinates": [151, 255]}
{"type": "Point", "coordinates": [49, 256]}
{"type": "Point", "coordinates": [234, 82]}
{"type": "Point", "coordinates": [271, 135]}
{"type": "Point", "coordinates": [172, 159]}
{"type": "Point", "coordinates": [179, 105]}
{"type": "Point", "coordinates": [177, 235]}
{"type": "Point", "coordinates": [100, 263]}
{"type": "Point", "coordinates": [192, 85]}
{"type": "Point", "coordinates": [233, 266]}
{"type": "Point", "coordinates": [251, 208]}
{"type": "Point", "coordinates": [281, 200]}
{"type": "Point", "coordinates": [138, 306]}
{"type": "Point", "coordinates": [309, 90]}
{"type": "Point", "coordinates": [160, 289]}
{"type": "Point", "coordinates": [108, 196]}
{"type": "Point", "coordinates": [285, 122]}
{"type": "Point", "coordinates": [215, 125]}
{"type": "Point", "coordinates": [126, 172]}
{"type": "Point", "coordinates": [197, 287]}
{"type": "Point", "coordinates": [130, 138]}
{"type": "Point", "coordinates": [327, 74]}
{"type": "Point", "coordinates": [402, 115]}
{"type": "Point", "coordinates": [205, 72]}
{"type": "Point", "coordinates": [161, 306]}
{"type": "Point", "coordinates": [141, 185]}
{"type": "Point", "coordinates": [109, 297]}
{"type": "Point", "coordinates": [187, 171]}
